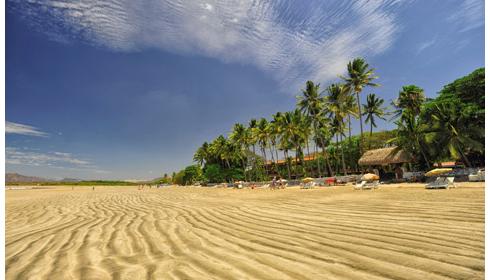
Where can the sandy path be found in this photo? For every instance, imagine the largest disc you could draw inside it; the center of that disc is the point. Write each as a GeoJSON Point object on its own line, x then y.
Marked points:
{"type": "Point", "coordinates": [395, 232]}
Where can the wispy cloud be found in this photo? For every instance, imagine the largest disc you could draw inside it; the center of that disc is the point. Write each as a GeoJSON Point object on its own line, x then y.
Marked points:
{"type": "Point", "coordinates": [291, 40]}
{"type": "Point", "coordinates": [17, 128]}
{"type": "Point", "coordinates": [424, 45]}
{"type": "Point", "coordinates": [470, 15]}
{"type": "Point", "coordinates": [34, 158]}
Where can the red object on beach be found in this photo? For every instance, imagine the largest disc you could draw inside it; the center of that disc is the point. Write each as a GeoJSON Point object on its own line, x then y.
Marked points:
{"type": "Point", "coordinates": [330, 181]}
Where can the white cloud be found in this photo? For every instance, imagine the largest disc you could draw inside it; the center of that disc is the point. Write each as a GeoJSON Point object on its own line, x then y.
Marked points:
{"type": "Point", "coordinates": [293, 41]}
{"type": "Point", "coordinates": [33, 158]}
{"type": "Point", "coordinates": [470, 15]}
{"type": "Point", "coordinates": [17, 128]}
{"type": "Point", "coordinates": [424, 45]}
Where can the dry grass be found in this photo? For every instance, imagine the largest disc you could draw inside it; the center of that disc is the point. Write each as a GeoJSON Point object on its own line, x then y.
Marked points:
{"type": "Point", "coordinates": [403, 232]}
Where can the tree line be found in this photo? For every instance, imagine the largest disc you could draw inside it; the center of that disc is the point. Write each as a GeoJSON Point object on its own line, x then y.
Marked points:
{"type": "Point", "coordinates": [315, 139]}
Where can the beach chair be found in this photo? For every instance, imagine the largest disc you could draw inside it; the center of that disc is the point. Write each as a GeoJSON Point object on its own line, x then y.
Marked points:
{"type": "Point", "coordinates": [450, 181]}
{"type": "Point", "coordinates": [371, 185]}
{"type": "Point", "coordinates": [360, 186]}
{"type": "Point", "coordinates": [441, 183]}
{"type": "Point", "coordinates": [365, 185]}
{"type": "Point", "coordinates": [309, 185]}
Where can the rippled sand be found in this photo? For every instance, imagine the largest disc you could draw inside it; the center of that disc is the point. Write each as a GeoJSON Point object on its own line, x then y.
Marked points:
{"type": "Point", "coordinates": [197, 233]}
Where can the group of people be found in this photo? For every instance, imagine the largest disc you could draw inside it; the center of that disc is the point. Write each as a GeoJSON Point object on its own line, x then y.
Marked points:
{"type": "Point", "coordinates": [277, 183]}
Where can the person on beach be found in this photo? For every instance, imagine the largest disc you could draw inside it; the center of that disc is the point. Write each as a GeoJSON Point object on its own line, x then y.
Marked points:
{"type": "Point", "coordinates": [93, 188]}
{"type": "Point", "coordinates": [281, 183]}
{"type": "Point", "coordinates": [273, 184]}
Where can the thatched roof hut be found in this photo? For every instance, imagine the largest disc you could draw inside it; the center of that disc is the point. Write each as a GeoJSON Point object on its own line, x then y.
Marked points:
{"type": "Point", "coordinates": [384, 156]}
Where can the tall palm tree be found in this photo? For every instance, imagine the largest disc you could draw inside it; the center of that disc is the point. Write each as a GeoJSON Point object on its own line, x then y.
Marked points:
{"type": "Point", "coordinates": [290, 132]}
{"type": "Point", "coordinates": [359, 76]}
{"type": "Point", "coordinates": [252, 140]}
{"type": "Point", "coordinates": [263, 139]}
{"type": "Point", "coordinates": [322, 138]}
{"type": "Point", "coordinates": [351, 109]}
{"type": "Point", "coordinates": [283, 121]}
{"type": "Point", "coordinates": [239, 138]}
{"type": "Point", "coordinates": [371, 110]}
{"type": "Point", "coordinates": [298, 137]}
{"type": "Point", "coordinates": [310, 103]}
{"type": "Point", "coordinates": [410, 98]}
{"type": "Point", "coordinates": [336, 104]}
{"type": "Point", "coordinates": [275, 127]}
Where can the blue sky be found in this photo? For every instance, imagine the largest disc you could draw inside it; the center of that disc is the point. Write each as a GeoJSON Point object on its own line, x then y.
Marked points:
{"type": "Point", "coordinates": [130, 89]}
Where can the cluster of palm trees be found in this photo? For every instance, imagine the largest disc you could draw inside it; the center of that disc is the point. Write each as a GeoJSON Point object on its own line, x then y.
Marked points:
{"type": "Point", "coordinates": [319, 117]}
{"type": "Point", "coordinates": [450, 126]}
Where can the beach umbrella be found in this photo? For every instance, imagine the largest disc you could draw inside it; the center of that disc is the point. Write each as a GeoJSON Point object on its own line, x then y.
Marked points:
{"type": "Point", "coordinates": [308, 179]}
{"type": "Point", "coordinates": [369, 177]}
{"type": "Point", "coordinates": [438, 171]}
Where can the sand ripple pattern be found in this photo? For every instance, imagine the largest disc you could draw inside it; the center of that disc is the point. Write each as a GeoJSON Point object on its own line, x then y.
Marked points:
{"type": "Point", "coordinates": [197, 233]}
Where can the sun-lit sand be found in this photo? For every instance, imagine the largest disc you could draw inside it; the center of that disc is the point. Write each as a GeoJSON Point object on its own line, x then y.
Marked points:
{"type": "Point", "coordinates": [395, 232]}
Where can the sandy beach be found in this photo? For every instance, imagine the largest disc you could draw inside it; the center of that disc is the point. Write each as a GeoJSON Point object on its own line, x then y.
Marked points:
{"type": "Point", "coordinates": [395, 232]}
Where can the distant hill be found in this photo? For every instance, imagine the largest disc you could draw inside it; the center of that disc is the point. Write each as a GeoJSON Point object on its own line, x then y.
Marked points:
{"type": "Point", "coordinates": [70, 180]}
{"type": "Point", "coordinates": [16, 178]}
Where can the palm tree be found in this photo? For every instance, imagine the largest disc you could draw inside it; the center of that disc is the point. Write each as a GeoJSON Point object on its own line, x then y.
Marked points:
{"type": "Point", "coordinates": [336, 101]}
{"type": "Point", "coordinates": [220, 150]}
{"type": "Point", "coordinates": [410, 98]}
{"type": "Point", "coordinates": [282, 122]}
{"type": "Point", "coordinates": [202, 154]}
{"type": "Point", "coordinates": [371, 110]}
{"type": "Point", "coordinates": [239, 138]}
{"type": "Point", "coordinates": [411, 135]}
{"type": "Point", "coordinates": [252, 140]}
{"type": "Point", "coordinates": [359, 76]}
{"type": "Point", "coordinates": [451, 126]}
{"type": "Point", "coordinates": [274, 130]}
{"type": "Point", "coordinates": [322, 138]}
{"type": "Point", "coordinates": [310, 103]}
{"type": "Point", "coordinates": [263, 139]}
{"type": "Point", "coordinates": [290, 134]}
{"type": "Point", "coordinates": [351, 109]}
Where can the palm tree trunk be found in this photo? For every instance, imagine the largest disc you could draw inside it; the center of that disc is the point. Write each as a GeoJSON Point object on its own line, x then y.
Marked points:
{"type": "Point", "coordinates": [307, 154]}
{"type": "Point", "coordinates": [244, 169]}
{"type": "Point", "coordinates": [319, 173]}
{"type": "Point", "coordinates": [265, 162]}
{"type": "Point", "coordinates": [326, 157]}
{"type": "Point", "coordinates": [316, 150]}
{"type": "Point", "coordinates": [360, 121]}
{"type": "Point", "coordinates": [466, 161]}
{"type": "Point", "coordinates": [286, 157]}
{"type": "Point", "coordinates": [425, 158]}
{"type": "Point", "coordinates": [254, 167]}
{"type": "Point", "coordinates": [350, 134]}
{"type": "Point", "coordinates": [273, 162]}
{"type": "Point", "coordinates": [336, 150]}
{"type": "Point", "coordinates": [348, 115]}
{"type": "Point", "coordinates": [343, 160]}
{"type": "Point", "coordinates": [276, 164]}
{"type": "Point", "coordinates": [370, 136]}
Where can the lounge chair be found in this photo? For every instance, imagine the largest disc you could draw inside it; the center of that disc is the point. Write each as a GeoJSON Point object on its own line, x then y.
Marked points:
{"type": "Point", "coordinates": [365, 185]}
{"type": "Point", "coordinates": [441, 183]}
{"type": "Point", "coordinates": [309, 185]}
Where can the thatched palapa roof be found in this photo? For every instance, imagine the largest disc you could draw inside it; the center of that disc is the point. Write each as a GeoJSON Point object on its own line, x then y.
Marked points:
{"type": "Point", "coordinates": [384, 156]}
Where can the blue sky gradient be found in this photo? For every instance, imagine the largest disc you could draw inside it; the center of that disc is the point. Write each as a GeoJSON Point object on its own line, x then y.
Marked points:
{"type": "Point", "coordinates": [130, 90]}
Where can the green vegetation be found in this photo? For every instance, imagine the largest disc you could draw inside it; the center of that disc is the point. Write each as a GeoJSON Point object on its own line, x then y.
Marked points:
{"type": "Point", "coordinates": [315, 138]}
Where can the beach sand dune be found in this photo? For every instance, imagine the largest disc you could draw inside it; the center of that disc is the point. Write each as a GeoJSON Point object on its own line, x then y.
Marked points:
{"type": "Point", "coordinates": [396, 232]}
